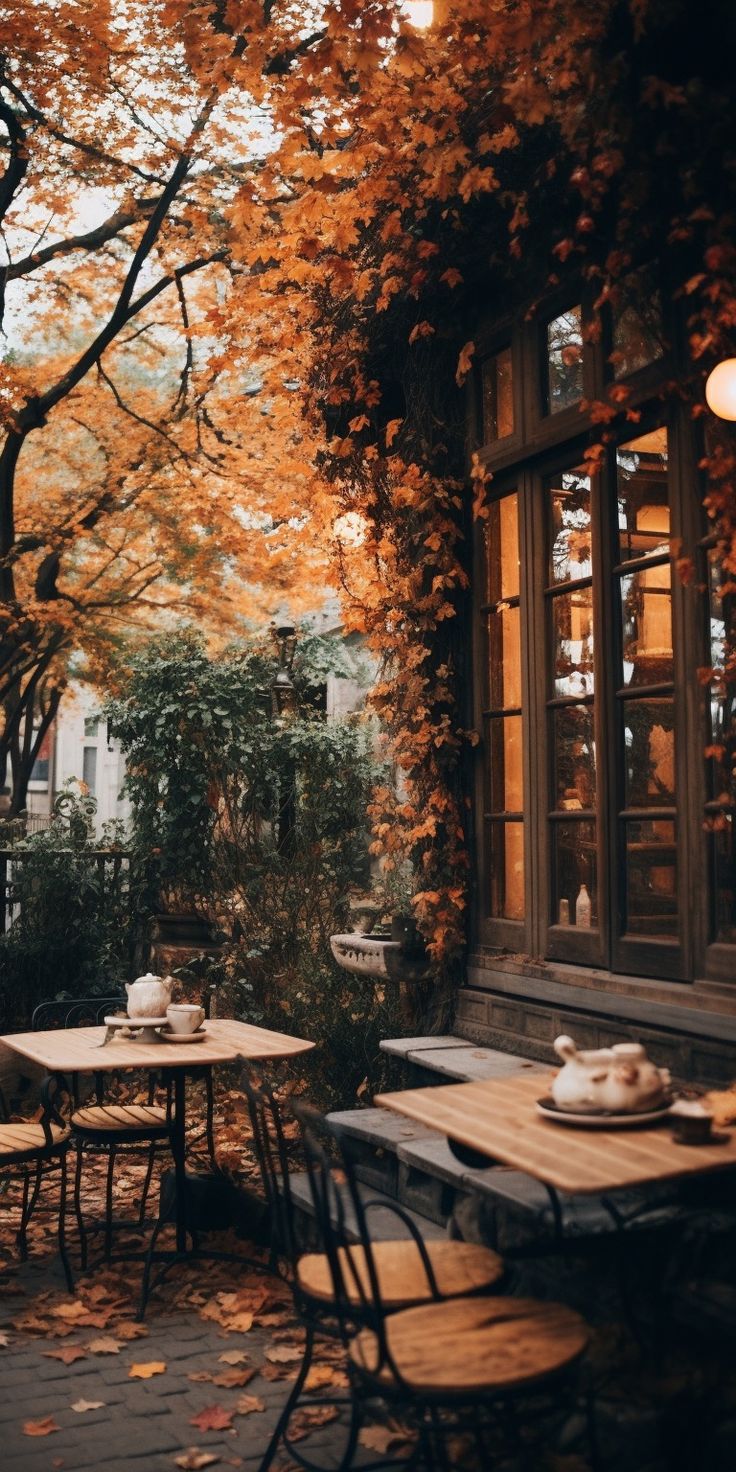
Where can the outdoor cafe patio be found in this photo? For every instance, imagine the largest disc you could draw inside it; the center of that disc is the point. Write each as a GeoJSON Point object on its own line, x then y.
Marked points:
{"type": "Point", "coordinates": [300, 1325]}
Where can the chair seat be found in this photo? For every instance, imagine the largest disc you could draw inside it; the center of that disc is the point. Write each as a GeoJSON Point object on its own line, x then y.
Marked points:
{"type": "Point", "coordinates": [24, 1139]}
{"type": "Point", "coordinates": [473, 1345]}
{"type": "Point", "coordinates": [459, 1268]}
{"type": "Point", "coordinates": [142, 1120]}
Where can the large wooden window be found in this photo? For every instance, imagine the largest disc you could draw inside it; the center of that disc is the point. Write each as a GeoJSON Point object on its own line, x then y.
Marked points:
{"type": "Point", "coordinates": [605, 837]}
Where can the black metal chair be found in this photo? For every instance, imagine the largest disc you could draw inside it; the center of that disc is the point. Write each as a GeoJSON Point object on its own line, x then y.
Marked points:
{"type": "Point", "coordinates": [29, 1151]}
{"type": "Point", "coordinates": [411, 1271]}
{"type": "Point", "coordinates": [461, 1366]}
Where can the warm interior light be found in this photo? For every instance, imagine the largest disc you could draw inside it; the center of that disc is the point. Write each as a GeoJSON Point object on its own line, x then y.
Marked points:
{"type": "Point", "coordinates": [419, 13]}
{"type": "Point", "coordinates": [720, 389]}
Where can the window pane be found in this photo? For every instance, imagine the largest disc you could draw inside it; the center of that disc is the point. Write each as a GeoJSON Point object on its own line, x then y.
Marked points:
{"type": "Point", "coordinates": [507, 870]}
{"type": "Point", "coordinates": [498, 398]}
{"type": "Point", "coordinates": [574, 874]}
{"type": "Point", "coordinates": [507, 777]}
{"type": "Point", "coordinates": [502, 542]}
{"type": "Point", "coordinates": [564, 360]}
{"type": "Point", "coordinates": [722, 688]}
{"type": "Point", "coordinates": [724, 855]}
{"type": "Point", "coordinates": [642, 491]}
{"type": "Point", "coordinates": [89, 767]}
{"type": "Point", "coordinates": [651, 878]}
{"type": "Point", "coordinates": [570, 529]}
{"type": "Point", "coordinates": [91, 725]}
{"type": "Point", "coordinates": [637, 323]}
{"type": "Point", "coordinates": [504, 657]}
{"type": "Point", "coordinates": [646, 613]}
{"type": "Point", "coordinates": [574, 757]}
{"type": "Point", "coordinates": [572, 628]}
{"type": "Point", "coordinates": [649, 747]}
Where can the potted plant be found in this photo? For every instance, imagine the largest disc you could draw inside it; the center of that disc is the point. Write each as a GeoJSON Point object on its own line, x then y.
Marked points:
{"type": "Point", "coordinates": [398, 888]}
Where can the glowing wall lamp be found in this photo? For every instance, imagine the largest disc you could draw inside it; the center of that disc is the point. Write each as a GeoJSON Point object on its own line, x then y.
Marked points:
{"type": "Point", "coordinates": [720, 389]}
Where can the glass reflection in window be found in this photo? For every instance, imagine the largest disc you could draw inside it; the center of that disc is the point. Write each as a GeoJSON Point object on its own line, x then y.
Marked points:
{"type": "Point", "coordinates": [637, 323]}
{"type": "Point", "coordinates": [574, 757]}
{"type": "Point", "coordinates": [502, 549]}
{"type": "Point", "coordinates": [575, 869]}
{"type": "Point", "coordinates": [572, 625]}
{"type": "Point", "coordinates": [507, 776]}
{"type": "Point", "coordinates": [651, 878]}
{"type": "Point", "coordinates": [570, 531]}
{"type": "Point", "coordinates": [724, 854]}
{"type": "Point", "coordinates": [507, 871]}
{"type": "Point", "coordinates": [498, 397]}
{"type": "Point", "coordinates": [649, 753]}
{"type": "Point", "coordinates": [643, 496]}
{"type": "Point", "coordinates": [564, 360]}
{"type": "Point", "coordinates": [646, 609]}
{"type": "Point", "coordinates": [504, 657]}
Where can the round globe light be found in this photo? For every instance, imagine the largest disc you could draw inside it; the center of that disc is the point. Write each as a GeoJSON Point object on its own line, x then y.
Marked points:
{"type": "Point", "coordinates": [720, 389]}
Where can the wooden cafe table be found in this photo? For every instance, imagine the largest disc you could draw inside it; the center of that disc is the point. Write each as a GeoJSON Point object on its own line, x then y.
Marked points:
{"type": "Point", "coordinates": [498, 1119]}
{"type": "Point", "coordinates": [84, 1050]}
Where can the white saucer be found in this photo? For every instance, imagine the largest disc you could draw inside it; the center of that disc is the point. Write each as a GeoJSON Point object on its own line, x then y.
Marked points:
{"type": "Point", "coordinates": [184, 1037]}
{"type": "Point", "coordinates": [600, 1121]}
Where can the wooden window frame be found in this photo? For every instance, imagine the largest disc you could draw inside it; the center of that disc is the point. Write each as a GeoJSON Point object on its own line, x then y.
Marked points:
{"type": "Point", "coordinates": [543, 445]}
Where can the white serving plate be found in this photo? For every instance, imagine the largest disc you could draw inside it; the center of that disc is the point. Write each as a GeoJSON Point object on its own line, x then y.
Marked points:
{"type": "Point", "coordinates": [549, 1110]}
{"type": "Point", "coordinates": [184, 1037]}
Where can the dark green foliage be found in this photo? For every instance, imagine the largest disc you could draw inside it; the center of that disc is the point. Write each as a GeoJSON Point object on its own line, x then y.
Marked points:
{"type": "Point", "coordinates": [70, 933]}
{"type": "Point", "coordinates": [260, 824]}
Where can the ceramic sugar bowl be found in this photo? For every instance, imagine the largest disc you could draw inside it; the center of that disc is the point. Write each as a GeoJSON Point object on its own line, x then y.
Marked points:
{"type": "Point", "coordinates": [149, 995]}
{"type": "Point", "coordinates": [620, 1079]}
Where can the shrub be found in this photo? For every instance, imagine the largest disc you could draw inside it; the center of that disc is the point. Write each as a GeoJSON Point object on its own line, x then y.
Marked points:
{"type": "Point", "coordinates": [69, 931]}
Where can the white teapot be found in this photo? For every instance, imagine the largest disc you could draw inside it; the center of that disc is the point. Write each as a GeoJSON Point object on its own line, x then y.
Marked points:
{"type": "Point", "coordinates": [149, 995]}
{"type": "Point", "coordinates": [620, 1079]}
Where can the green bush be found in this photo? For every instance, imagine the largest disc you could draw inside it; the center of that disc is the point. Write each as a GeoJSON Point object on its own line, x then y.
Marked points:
{"type": "Point", "coordinates": [70, 932]}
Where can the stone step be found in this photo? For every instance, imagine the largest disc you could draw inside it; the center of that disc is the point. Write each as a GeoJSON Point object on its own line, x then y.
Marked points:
{"type": "Point", "coordinates": [383, 1220]}
{"type": "Point", "coordinates": [449, 1058]}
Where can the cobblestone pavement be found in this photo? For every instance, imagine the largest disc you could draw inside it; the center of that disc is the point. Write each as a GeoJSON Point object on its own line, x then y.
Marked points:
{"type": "Point", "coordinates": [679, 1416]}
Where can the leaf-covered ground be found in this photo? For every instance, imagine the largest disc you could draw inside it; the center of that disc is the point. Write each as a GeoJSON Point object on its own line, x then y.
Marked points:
{"type": "Point", "coordinates": [201, 1382]}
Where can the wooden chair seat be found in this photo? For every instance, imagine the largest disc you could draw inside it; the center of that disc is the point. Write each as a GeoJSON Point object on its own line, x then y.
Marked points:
{"type": "Point", "coordinates": [459, 1268]}
{"type": "Point", "coordinates": [142, 1120]}
{"type": "Point", "coordinates": [471, 1346]}
{"type": "Point", "coordinates": [27, 1138]}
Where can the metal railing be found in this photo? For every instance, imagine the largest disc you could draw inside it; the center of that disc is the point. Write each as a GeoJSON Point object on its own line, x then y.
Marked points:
{"type": "Point", "coordinates": [111, 867]}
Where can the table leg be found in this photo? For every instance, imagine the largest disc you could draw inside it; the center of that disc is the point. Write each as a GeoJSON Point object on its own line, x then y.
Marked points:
{"type": "Point", "coordinates": [178, 1150]}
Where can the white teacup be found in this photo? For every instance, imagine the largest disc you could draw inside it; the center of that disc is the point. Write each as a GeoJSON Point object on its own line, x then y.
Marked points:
{"type": "Point", "coordinates": [184, 1017]}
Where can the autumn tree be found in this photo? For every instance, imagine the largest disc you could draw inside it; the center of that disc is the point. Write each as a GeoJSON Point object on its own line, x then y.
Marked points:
{"type": "Point", "coordinates": [143, 469]}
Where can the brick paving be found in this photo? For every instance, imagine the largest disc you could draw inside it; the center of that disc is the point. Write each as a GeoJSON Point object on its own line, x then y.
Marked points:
{"type": "Point", "coordinates": [677, 1418]}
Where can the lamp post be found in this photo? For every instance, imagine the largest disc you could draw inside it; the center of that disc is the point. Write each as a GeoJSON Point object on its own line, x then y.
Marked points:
{"type": "Point", "coordinates": [283, 699]}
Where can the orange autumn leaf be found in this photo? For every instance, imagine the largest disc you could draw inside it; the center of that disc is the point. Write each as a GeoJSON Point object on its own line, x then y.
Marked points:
{"type": "Point", "coordinates": [147, 1370]}
{"type": "Point", "coordinates": [212, 1418]}
{"type": "Point", "coordinates": [40, 1428]}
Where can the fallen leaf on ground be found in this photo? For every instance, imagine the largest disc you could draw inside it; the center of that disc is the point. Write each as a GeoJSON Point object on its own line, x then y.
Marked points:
{"type": "Point", "coordinates": [4, 1341]}
{"type": "Point", "coordinates": [284, 1354]}
{"type": "Point", "coordinates": [67, 1354]}
{"type": "Point", "coordinates": [80, 1406]}
{"type": "Point", "coordinates": [246, 1404]}
{"type": "Point", "coordinates": [213, 1418]}
{"type": "Point", "coordinates": [233, 1357]}
{"type": "Point", "coordinates": [145, 1371]}
{"type": "Point", "coordinates": [106, 1345]}
{"type": "Point", "coordinates": [231, 1379]}
{"type": "Point", "coordinates": [129, 1330]}
{"type": "Point", "coordinates": [307, 1420]}
{"type": "Point", "coordinates": [278, 1372]}
{"type": "Point", "coordinates": [384, 1438]}
{"type": "Point", "coordinates": [320, 1375]}
{"type": "Point", "coordinates": [193, 1459]}
{"type": "Point", "coordinates": [40, 1428]}
{"type": "Point", "coordinates": [70, 1311]}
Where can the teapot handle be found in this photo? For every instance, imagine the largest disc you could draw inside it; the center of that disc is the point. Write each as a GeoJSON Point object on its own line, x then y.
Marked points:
{"type": "Point", "coordinates": [565, 1047]}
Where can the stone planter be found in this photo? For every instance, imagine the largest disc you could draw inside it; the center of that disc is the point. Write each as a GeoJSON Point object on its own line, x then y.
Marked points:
{"type": "Point", "coordinates": [383, 959]}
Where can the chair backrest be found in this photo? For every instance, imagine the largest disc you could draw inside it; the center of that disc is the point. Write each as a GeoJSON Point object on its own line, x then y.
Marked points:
{"type": "Point", "coordinates": [75, 1012]}
{"type": "Point", "coordinates": [272, 1156]}
{"type": "Point", "coordinates": [341, 1213]}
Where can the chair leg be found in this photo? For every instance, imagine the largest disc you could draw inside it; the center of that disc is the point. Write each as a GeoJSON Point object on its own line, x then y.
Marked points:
{"type": "Point", "coordinates": [108, 1204]}
{"type": "Point", "coordinates": [146, 1186]}
{"type": "Point", "coordinates": [62, 1225]}
{"type": "Point", "coordinates": [78, 1209]}
{"type": "Point", "coordinates": [146, 1280]}
{"type": "Point", "coordinates": [34, 1195]}
{"type": "Point", "coordinates": [210, 1116]}
{"type": "Point", "coordinates": [285, 1417]}
{"type": "Point", "coordinates": [21, 1235]}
